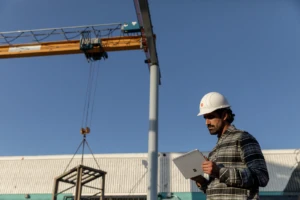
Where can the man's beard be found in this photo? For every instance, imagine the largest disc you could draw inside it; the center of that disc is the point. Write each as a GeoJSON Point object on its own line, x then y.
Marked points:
{"type": "Point", "coordinates": [213, 130]}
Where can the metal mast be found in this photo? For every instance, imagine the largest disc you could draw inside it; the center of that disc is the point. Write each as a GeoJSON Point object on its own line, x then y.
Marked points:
{"type": "Point", "coordinates": [144, 18]}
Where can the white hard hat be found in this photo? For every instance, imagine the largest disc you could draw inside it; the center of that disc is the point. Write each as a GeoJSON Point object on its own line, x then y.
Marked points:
{"type": "Point", "coordinates": [211, 102]}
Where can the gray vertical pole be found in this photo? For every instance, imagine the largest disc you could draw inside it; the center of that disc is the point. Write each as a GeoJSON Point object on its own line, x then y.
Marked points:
{"type": "Point", "coordinates": [153, 134]}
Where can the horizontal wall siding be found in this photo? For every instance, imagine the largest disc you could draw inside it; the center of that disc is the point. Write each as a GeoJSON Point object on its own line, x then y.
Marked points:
{"type": "Point", "coordinates": [126, 174]}
{"type": "Point", "coordinates": [280, 167]}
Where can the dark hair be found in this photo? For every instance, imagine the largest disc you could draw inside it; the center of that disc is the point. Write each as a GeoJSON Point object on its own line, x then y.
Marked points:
{"type": "Point", "coordinates": [230, 114]}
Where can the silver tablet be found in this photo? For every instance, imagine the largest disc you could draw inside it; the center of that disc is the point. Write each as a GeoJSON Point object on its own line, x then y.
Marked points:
{"type": "Point", "coordinates": [190, 164]}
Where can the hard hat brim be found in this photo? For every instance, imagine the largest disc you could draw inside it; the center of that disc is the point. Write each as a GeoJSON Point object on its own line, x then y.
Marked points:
{"type": "Point", "coordinates": [207, 111]}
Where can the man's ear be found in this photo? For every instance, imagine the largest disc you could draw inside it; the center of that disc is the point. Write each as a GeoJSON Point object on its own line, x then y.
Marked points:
{"type": "Point", "coordinates": [225, 116]}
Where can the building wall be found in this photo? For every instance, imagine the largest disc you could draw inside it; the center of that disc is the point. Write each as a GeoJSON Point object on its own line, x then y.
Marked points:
{"type": "Point", "coordinates": [127, 174]}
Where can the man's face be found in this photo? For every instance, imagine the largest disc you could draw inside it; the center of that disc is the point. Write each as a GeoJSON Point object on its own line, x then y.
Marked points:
{"type": "Point", "coordinates": [214, 122]}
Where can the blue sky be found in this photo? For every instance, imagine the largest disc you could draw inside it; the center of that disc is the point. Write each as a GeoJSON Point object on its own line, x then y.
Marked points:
{"type": "Point", "coordinates": [247, 50]}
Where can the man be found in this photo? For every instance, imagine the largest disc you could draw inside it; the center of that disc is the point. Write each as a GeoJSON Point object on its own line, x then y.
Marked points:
{"type": "Point", "coordinates": [236, 166]}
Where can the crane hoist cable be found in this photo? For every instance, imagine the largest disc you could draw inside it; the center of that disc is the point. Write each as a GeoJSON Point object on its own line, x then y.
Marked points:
{"type": "Point", "coordinates": [91, 89]}
{"type": "Point", "coordinates": [86, 43]}
{"type": "Point", "coordinates": [90, 98]}
{"type": "Point", "coordinates": [88, 109]}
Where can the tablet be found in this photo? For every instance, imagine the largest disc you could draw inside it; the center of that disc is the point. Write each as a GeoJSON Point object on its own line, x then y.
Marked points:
{"type": "Point", "coordinates": [190, 164]}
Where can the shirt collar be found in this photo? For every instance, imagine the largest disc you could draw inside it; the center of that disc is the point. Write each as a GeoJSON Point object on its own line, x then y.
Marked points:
{"type": "Point", "coordinates": [229, 130]}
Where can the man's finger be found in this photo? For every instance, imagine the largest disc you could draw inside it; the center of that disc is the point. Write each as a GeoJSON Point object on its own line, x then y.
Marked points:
{"type": "Point", "coordinates": [207, 163]}
{"type": "Point", "coordinates": [207, 170]}
{"type": "Point", "coordinates": [207, 166]}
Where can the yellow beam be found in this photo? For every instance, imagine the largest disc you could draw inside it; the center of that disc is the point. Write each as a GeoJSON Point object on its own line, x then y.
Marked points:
{"type": "Point", "coordinates": [121, 43]}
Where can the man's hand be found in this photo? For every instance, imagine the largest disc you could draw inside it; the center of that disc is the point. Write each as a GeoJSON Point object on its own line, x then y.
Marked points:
{"type": "Point", "coordinates": [210, 168]}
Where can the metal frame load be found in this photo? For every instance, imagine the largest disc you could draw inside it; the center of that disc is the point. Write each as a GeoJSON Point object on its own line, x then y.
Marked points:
{"type": "Point", "coordinates": [79, 177]}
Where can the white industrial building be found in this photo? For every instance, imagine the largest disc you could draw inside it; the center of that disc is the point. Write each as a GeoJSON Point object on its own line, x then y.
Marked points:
{"type": "Point", "coordinates": [32, 177]}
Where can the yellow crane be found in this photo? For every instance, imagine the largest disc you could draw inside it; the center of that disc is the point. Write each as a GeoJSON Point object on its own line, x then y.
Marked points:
{"type": "Point", "coordinates": [69, 47]}
{"type": "Point", "coordinates": [95, 41]}
{"type": "Point", "coordinates": [91, 43]}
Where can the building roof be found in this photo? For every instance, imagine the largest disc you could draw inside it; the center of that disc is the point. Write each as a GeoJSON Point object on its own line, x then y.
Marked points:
{"type": "Point", "coordinates": [127, 173]}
